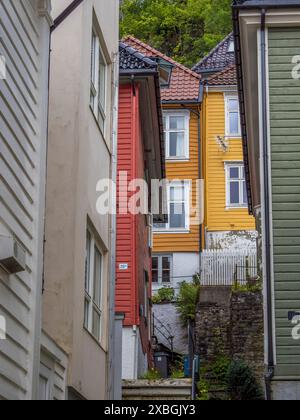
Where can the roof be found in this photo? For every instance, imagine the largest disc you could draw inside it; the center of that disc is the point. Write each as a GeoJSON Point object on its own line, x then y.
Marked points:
{"type": "Point", "coordinates": [225, 77]}
{"type": "Point", "coordinates": [131, 59]}
{"type": "Point", "coordinates": [265, 3]}
{"type": "Point", "coordinates": [218, 58]}
{"type": "Point", "coordinates": [185, 83]}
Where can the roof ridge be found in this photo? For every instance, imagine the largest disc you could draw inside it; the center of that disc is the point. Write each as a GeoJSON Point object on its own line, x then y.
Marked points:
{"type": "Point", "coordinates": [211, 53]}
{"type": "Point", "coordinates": [151, 49]}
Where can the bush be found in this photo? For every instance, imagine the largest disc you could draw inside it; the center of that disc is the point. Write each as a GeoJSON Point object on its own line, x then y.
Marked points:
{"type": "Point", "coordinates": [187, 300]}
{"type": "Point", "coordinates": [152, 375]}
{"type": "Point", "coordinates": [164, 295]}
{"type": "Point", "coordinates": [242, 384]}
{"type": "Point", "coordinates": [219, 370]}
{"type": "Point", "coordinates": [203, 390]}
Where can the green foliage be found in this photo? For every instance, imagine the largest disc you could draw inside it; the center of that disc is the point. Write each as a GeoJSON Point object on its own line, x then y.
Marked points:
{"type": "Point", "coordinates": [219, 370]}
{"type": "Point", "coordinates": [152, 375]}
{"type": "Point", "coordinates": [177, 371]}
{"type": "Point", "coordinates": [203, 390]}
{"type": "Point", "coordinates": [185, 30]}
{"type": "Point", "coordinates": [251, 287]}
{"type": "Point", "coordinates": [187, 299]}
{"type": "Point", "coordinates": [242, 384]}
{"type": "Point", "coordinates": [164, 295]}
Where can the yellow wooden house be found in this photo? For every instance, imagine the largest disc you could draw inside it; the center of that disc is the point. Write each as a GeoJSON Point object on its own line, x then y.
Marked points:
{"type": "Point", "coordinates": [227, 222]}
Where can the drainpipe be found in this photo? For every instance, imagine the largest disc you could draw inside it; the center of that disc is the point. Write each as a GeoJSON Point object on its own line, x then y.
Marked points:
{"type": "Point", "coordinates": [267, 220]}
{"type": "Point", "coordinates": [112, 386]}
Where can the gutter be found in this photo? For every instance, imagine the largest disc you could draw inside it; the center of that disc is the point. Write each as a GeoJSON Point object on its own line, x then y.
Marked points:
{"type": "Point", "coordinates": [65, 14]}
{"type": "Point", "coordinates": [271, 361]}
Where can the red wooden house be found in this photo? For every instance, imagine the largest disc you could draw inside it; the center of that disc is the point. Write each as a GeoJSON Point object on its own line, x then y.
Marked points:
{"type": "Point", "coordinates": [140, 156]}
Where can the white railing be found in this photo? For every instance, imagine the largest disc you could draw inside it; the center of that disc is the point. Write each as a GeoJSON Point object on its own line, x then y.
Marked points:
{"type": "Point", "coordinates": [224, 268]}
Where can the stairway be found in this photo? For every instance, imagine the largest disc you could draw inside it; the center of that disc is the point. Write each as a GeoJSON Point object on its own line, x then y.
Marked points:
{"type": "Point", "coordinates": [165, 390]}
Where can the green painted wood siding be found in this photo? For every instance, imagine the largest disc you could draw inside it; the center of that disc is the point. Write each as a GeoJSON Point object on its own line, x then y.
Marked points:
{"type": "Point", "coordinates": [284, 44]}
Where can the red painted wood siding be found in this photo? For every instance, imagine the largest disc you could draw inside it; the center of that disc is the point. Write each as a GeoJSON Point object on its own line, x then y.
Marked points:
{"type": "Point", "coordinates": [132, 233]}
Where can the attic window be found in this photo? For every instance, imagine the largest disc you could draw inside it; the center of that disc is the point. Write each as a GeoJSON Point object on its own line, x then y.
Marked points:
{"type": "Point", "coordinates": [231, 47]}
{"type": "Point", "coordinates": [165, 70]}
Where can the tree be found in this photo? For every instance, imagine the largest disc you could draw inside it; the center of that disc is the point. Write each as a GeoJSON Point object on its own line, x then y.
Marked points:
{"type": "Point", "coordinates": [185, 30]}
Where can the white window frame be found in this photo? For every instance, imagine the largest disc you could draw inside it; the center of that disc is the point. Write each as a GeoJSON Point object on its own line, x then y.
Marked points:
{"type": "Point", "coordinates": [227, 119]}
{"type": "Point", "coordinates": [160, 282]}
{"type": "Point", "coordinates": [186, 115]}
{"type": "Point", "coordinates": [187, 192]}
{"type": "Point", "coordinates": [99, 109]}
{"type": "Point", "coordinates": [89, 297]}
{"type": "Point", "coordinates": [228, 166]}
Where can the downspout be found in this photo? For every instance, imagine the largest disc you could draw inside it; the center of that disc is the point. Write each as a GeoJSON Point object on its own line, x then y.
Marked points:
{"type": "Point", "coordinates": [113, 388]}
{"type": "Point", "coordinates": [271, 362]}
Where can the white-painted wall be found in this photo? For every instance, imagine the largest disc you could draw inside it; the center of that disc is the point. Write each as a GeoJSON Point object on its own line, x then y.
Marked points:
{"type": "Point", "coordinates": [24, 42]}
{"type": "Point", "coordinates": [134, 361]}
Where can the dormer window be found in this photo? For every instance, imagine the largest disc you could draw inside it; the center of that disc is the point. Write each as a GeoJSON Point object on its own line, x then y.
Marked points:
{"type": "Point", "coordinates": [231, 47]}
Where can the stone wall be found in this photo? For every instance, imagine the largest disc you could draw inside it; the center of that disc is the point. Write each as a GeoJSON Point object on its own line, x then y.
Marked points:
{"type": "Point", "coordinates": [230, 324]}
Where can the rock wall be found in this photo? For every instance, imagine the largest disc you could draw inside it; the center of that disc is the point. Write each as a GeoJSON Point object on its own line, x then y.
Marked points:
{"type": "Point", "coordinates": [230, 324]}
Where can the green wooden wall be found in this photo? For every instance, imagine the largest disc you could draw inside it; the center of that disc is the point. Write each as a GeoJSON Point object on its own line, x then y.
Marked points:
{"type": "Point", "coordinates": [284, 44]}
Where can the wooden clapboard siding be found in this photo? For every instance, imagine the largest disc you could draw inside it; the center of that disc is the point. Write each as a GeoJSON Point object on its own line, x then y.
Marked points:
{"type": "Point", "coordinates": [285, 157]}
{"type": "Point", "coordinates": [182, 242]}
{"type": "Point", "coordinates": [24, 43]}
{"type": "Point", "coordinates": [217, 217]}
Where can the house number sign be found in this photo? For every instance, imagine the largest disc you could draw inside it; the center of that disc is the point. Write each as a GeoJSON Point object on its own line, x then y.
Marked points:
{"type": "Point", "coordinates": [294, 318]}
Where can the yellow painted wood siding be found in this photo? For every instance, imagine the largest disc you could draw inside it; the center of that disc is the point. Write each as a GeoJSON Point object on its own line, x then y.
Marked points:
{"type": "Point", "coordinates": [217, 217]}
{"type": "Point", "coordinates": [182, 242]}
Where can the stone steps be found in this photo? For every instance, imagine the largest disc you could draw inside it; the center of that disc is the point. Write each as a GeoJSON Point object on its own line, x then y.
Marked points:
{"type": "Point", "coordinates": [165, 390]}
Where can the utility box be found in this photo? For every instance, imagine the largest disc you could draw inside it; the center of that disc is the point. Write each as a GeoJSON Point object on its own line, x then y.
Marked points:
{"type": "Point", "coordinates": [12, 255]}
{"type": "Point", "coordinates": [162, 363]}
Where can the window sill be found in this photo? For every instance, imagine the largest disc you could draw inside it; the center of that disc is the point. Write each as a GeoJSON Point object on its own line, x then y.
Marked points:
{"type": "Point", "coordinates": [171, 231]}
{"type": "Point", "coordinates": [178, 160]}
{"type": "Point", "coordinates": [228, 208]}
{"type": "Point", "coordinates": [95, 339]}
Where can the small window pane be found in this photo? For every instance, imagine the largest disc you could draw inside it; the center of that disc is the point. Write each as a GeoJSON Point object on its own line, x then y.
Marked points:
{"type": "Point", "coordinates": [177, 194]}
{"type": "Point", "coordinates": [176, 144]}
{"type": "Point", "coordinates": [102, 76]}
{"type": "Point", "coordinates": [96, 324]}
{"type": "Point", "coordinates": [234, 123]}
{"type": "Point", "coordinates": [234, 193]}
{"type": "Point", "coordinates": [87, 262]}
{"type": "Point", "coordinates": [166, 278]}
{"type": "Point", "coordinates": [177, 123]}
{"type": "Point", "coordinates": [155, 276]}
{"type": "Point", "coordinates": [86, 313]}
{"type": "Point", "coordinates": [166, 263]}
{"type": "Point", "coordinates": [177, 216]}
{"type": "Point", "coordinates": [155, 263]}
{"type": "Point", "coordinates": [234, 173]}
{"type": "Point", "coordinates": [245, 193]}
{"type": "Point", "coordinates": [97, 278]}
{"type": "Point", "coordinates": [233, 105]}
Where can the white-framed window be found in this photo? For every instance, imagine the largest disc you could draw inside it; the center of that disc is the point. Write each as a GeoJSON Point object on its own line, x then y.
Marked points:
{"type": "Point", "coordinates": [98, 81]}
{"type": "Point", "coordinates": [232, 111]}
{"type": "Point", "coordinates": [176, 127]}
{"type": "Point", "coordinates": [93, 287]}
{"type": "Point", "coordinates": [236, 190]}
{"type": "Point", "coordinates": [162, 270]}
{"type": "Point", "coordinates": [178, 196]}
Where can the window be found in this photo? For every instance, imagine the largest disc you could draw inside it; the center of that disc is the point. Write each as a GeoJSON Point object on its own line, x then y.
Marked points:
{"type": "Point", "coordinates": [231, 47]}
{"type": "Point", "coordinates": [98, 81]}
{"type": "Point", "coordinates": [177, 135]}
{"type": "Point", "coordinates": [233, 124]}
{"type": "Point", "coordinates": [161, 270]}
{"type": "Point", "coordinates": [236, 185]}
{"type": "Point", "coordinates": [178, 208]}
{"type": "Point", "coordinates": [93, 287]}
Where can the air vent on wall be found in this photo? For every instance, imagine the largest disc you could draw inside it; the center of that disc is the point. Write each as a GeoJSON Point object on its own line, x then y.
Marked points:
{"type": "Point", "coordinates": [12, 255]}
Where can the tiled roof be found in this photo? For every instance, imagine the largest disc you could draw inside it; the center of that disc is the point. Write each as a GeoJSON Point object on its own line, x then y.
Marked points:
{"type": "Point", "coordinates": [131, 59]}
{"type": "Point", "coordinates": [225, 77]}
{"type": "Point", "coordinates": [218, 58]}
{"type": "Point", "coordinates": [185, 83]}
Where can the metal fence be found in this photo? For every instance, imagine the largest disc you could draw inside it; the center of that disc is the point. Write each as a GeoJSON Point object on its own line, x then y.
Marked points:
{"type": "Point", "coordinates": [224, 268]}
